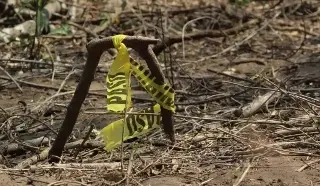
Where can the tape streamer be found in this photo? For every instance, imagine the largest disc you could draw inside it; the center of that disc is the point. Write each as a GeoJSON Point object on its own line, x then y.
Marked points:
{"type": "Point", "coordinates": [118, 78]}
{"type": "Point", "coordinates": [119, 98]}
{"type": "Point", "coordinates": [135, 125]}
{"type": "Point", "coordinates": [162, 94]}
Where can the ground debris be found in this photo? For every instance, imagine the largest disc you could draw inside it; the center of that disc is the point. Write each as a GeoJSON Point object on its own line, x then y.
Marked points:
{"type": "Point", "coordinates": [246, 81]}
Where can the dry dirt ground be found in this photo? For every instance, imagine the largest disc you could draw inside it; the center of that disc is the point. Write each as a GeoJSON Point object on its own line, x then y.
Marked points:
{"type": "Point", "coordinates": [231, 57]}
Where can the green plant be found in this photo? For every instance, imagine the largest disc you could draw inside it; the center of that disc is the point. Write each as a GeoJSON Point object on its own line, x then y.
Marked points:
{"type": "Point", "coordinates": [42, 21]}
{"type": "Point", "coordinates": [64, 29]}
{"type": "Point", "coordinates": [241, 2]}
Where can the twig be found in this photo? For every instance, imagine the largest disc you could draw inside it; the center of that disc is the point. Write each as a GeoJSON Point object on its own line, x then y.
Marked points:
{"type": "Point", "coordinates": [199, 35]}
{"type": "Point", "coordinates": [15, 82]}
{"type": "Point", "coordinates": [65, 80]}
{"type": "Point", "coordinates": [69, 90]}
{"type": "Point", "coordinates": [308, 165]}
{"type": "Point", "coordinates": [184, 29]}
{"type": "Point", "coordinates": [84, 29]}
{"type": "Point", "coordinates": [33, 84]}
{"type": "Point", "coordinates": [230, 76]}
{"type": "Point", "coordinates": [84, 140]}
{"type": "Point", "coordinates": [108, 165]}
{"type": "Point", "coordinates": [130, 167]}
{"type": "Point", "coordinates": [66, 182]}
{"type": "Point", "coordinates": [29, 177]}
{"type": "Point", "coordinates": [44, 154]}
{"type": "Point", "coordinates": [13, 147]}
{"type": "Point", "coordinates": [239, 43]}
{"type": "Point", "coordinates": [205, 182]}
{"type": "Point", "coordinates": [50, 98]}
{"type": "Point", "coordinates": [35, 126]}
{"type": "Point", "coordinates": [293, 131]}
{"type": "Point", "coordinates": [299, 29]}
{"type": "Point", "coordinates": [125, 123]}
{"type": "Point", "coordinates": [243, 175]}
{"type": "Point", "coordinates": [283, 145]}
{"type": "Point", "coordinates": [214, 98]}
{"type": "Point", "coordinates": [262, 121]}
{"type": "Point", "coordinates": [258, 102]}
{"type": "Point", "coordinates": [33, 159]}
{"type": "Point", "coordinates": [52, 61]}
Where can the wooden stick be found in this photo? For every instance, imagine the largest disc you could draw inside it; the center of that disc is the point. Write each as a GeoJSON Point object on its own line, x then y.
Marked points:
{"type": "Point", "coordinates": [96, 48]}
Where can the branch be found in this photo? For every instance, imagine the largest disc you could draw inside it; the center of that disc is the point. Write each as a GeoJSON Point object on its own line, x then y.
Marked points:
{"type": "Point", "coordinates": [199, 35]}
{"type": "Point", "coordinates": [153, 64]}
{"type": "Point", "coordinates": [258, 103]}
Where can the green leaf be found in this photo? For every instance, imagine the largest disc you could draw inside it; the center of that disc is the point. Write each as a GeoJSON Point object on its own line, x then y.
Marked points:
{"type": "Point", "coordinates": [64, 29]}
{"type": "Point", "coordinates": [42, 22]}
{"type": "Point", "coordinates": [123, 4]}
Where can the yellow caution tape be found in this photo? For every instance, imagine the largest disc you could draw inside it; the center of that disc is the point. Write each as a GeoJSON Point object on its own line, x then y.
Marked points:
{"type": "Point", "coordinates": [118, 78]}
{"type": "Point", "coordinates": [162, 94]}
{"type": "Point", "coordinates": [135, 125]}
{"type": "Point", "coordinates": [119, 98]}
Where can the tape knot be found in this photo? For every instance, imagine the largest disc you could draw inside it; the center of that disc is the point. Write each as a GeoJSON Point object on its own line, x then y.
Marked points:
{"type": "Point", "coordinates": [117, 41]}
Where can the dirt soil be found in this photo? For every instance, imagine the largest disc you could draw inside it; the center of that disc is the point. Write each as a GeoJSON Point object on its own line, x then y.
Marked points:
{"type": "Point", "coordinates": [246, 79]}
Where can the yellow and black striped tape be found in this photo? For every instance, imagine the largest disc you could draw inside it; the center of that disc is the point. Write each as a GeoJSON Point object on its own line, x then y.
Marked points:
{"type": "Point", "coordinates": [119, 98]}
{"type": "Point", "coordinates": [118, 78]}
{"type": "Point", "coordinates": [135, 125]}
{"type": "Point", "coordinates": [162, 94]}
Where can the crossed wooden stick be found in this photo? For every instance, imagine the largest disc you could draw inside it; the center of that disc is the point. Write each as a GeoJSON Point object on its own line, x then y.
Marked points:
{"type": "Point", "coordinates": [96, 48]}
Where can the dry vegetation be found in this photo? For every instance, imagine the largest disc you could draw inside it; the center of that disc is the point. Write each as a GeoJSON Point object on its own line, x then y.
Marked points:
{"type": "Point", "coordinates": [247, 93]}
